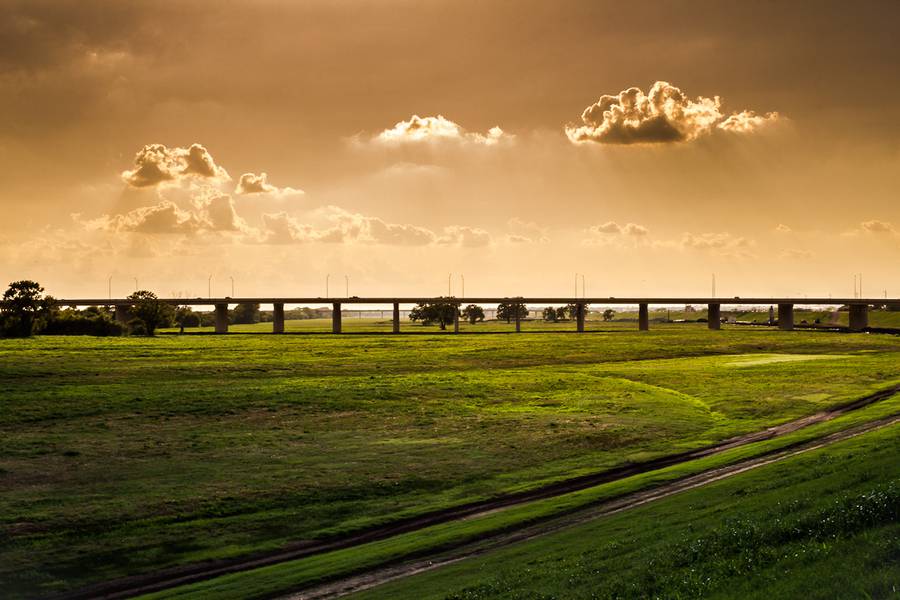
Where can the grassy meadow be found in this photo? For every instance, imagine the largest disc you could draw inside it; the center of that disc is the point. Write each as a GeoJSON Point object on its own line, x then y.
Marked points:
{"type": "Point", "coordinates": [126, 455]}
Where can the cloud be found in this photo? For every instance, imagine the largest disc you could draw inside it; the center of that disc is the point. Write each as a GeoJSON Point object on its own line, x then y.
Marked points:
{"type": "Point", "coordinates": [613, 228]}
{"type": "Point", "coordinates": [526, 232]}
{"type": "Point", "coordinates": [280, 228]}
{"type": "Point", "coordinates": [722, 243]}
{"type": "Point", "coordinates": [748, 121]}
{"type": "Point", "coordinates": [514, 238]}
{"type": "Point", "coordinates": [218, 214]}
{"type": "Point", "coordinates": [663, 115]}
{"type": "Point", "coordinates": [878, 227]}
{"type": "Point", "coordinates": [155, 164]}
{"type": "Point", "coordinates": [713, 240]}
{"type": "Point", "coordinates": [349, 227]}
{"type": "Point", "coordinates": [162, 218]}
{"type": "Point", "coordinates": [251, 183]}
{"type": "Point", "coordinates": [782, 228]}
{"type": "Point", "coordinates": [431, 129]}
{"type": "Point", "coordinates": [461, 235]}
{"type": "Point", "coordinates": [212, 213]}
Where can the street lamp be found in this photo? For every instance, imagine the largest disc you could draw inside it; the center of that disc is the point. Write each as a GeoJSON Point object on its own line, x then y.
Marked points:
{"type": "Point", "coordinates": [209, 287]}
{"type": "Point", "coordinates": [449, 284]}
{"type": "Point", "coordinates": [462, 280]}
{"type": "Point", "coordinates": [347, 285]}
{"type": "Point", "coordinates": [327, 277]}
{"type": "Point", "coordinates": [109, 286]}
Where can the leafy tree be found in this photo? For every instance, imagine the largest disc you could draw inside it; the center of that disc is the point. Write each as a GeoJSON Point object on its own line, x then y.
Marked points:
{"type": "Point", "coordinates": [24, 309]}
{"type": "Point", "coordinates": [246, 312]}
{"type": "Point", "coordinates": [473, 313]}
{"type": "Point", "coordinates": [148, 311]}
{"type": "Point", "coordinates": [561, 313]}
{"type": "Point", "coordinates": [441, 313]}
{"type": "Point", "coordinates": [186, 317]}
{"type": "Point", "coordinates": [572, 310]}
{"type": "Point", "coordinates": [608, 314]}
{"type": "Point", "coordinates": [507, 310]}
{"type": "Point", "coordinates": [551, 314]}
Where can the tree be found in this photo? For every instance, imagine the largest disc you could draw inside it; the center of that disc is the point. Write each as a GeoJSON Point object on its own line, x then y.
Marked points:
{"type": "Point", "coordinates": [571, 310]}
{"type": "Point", "coordinates": [561, 313]}
{"type": "Point", "coordinates": [608, 314]}
{"type": "Point", "coordinates": [441, 313]}
{"type": "Point", "coordinates": [24, 309]}
{"type": "Point", "coordinates": [186, 317]}
{"type": "Point", "coordinates": [148, 311]}
{"type": "Point", "coordinates": [246, 312]}
{"type": "Point", "coordinates": [507, 310]}
{"type": "Point", "coordinates": [551, 314]}
{"type": "Point", "coordinates": [473, 313]}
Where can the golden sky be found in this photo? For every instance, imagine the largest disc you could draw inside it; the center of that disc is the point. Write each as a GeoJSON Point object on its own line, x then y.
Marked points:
{"type": "Point", "coordinates": [645, 145]}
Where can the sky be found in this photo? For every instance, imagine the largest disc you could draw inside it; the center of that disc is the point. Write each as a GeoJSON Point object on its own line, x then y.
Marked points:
{"type": "Point", "coordinates": [177, 146]}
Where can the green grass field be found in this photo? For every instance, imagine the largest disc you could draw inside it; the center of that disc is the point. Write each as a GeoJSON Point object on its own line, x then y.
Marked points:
{"type": "Point", "coordinates": [122, 456]}
{"type": "Point", "coordinates": [821, 525]}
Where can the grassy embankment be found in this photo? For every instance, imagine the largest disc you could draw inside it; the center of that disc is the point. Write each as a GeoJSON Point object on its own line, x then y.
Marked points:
{"type": "Point", "coordinates": [821, 525]}
{"type": "Point", "coordinates": [127, 455]}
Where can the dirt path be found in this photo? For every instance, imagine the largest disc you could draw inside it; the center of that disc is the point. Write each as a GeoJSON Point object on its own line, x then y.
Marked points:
{"type": "Point", "coordinates": [169, 578]}
{"type": "Point", "coordinates": [385, 574]}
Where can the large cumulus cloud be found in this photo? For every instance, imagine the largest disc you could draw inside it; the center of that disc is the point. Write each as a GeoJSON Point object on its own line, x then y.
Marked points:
{"type": "Point", "coordinates": [665, 114]}
{"type": "Point", "coordinates": [155, 164]}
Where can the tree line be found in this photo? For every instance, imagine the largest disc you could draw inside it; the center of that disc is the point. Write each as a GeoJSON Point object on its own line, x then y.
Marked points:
{"type": "Point", "coordinates": [26, 310]}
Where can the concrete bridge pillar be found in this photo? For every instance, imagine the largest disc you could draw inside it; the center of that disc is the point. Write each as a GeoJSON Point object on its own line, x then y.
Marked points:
{"type": "Point", "coordinates": [336, 317]}
{"type": "Point", "coordinates": [786, 317]}
{"type": "Point", "coordinates": [859, 317]}
{"type": "Point", "coordinates": [278, 317]}
{"type": "Point", "coordinates": [221, 318]}
{"type": "Point", "coordinates": [714, 316]}
{"type": "Point", "coordinates": [517, 307]}
{"type": "Point", "coordinates": [456, 318]}
{"type": "Point", "coordinates": [396, 317]}
{"type": "Point", "coordinates": [122, 314]}
{"type": "Point", "coordinates": [579, 317]}
{"type": "Point", "coordinates": [643, 317]}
